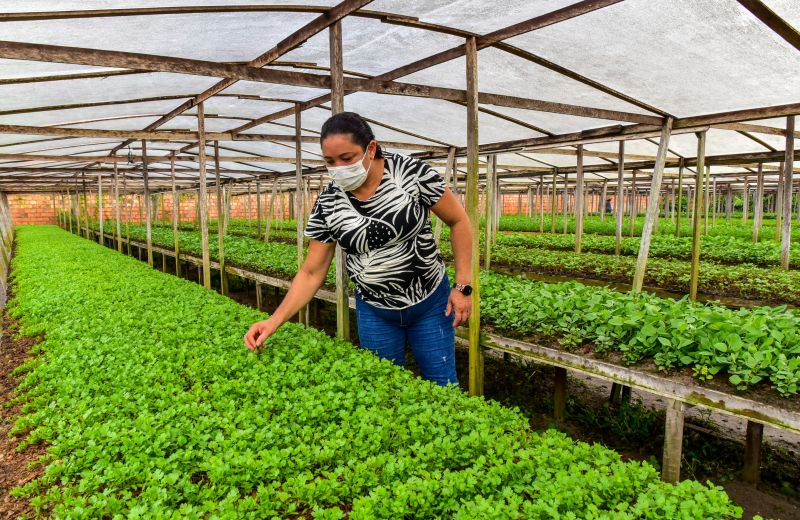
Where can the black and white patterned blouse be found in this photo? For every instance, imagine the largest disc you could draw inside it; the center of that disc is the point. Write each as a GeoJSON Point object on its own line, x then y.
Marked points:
{"type": "Point", "coordinates": [391, 257]}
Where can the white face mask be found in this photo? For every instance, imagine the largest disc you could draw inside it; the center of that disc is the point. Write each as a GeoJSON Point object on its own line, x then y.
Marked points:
{"type": "Point", "coordinates": [350, 176]}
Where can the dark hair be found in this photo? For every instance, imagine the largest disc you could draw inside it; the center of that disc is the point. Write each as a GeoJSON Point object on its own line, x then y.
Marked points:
{"type": "Point", "coordinates": [353, 124]}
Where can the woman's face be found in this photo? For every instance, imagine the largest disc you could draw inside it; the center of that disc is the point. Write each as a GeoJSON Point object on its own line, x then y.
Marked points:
{"type": "Point", "coordinates": [341, 150]}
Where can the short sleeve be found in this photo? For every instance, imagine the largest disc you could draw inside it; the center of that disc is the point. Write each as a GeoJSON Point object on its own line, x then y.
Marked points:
{"type": "Point", "coordinates": [431, 185]}
{"type": "Point", "coordinates": [317, 227]}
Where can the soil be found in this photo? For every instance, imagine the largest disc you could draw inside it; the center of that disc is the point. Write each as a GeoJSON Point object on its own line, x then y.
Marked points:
{"type": "Point", "coordinates": [14, 466]}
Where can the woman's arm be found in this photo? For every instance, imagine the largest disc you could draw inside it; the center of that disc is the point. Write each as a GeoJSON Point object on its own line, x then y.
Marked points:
{"type": "Point", "coordinates": [305, 285]}
{"type": "Point", "coordinates": [449, 209]}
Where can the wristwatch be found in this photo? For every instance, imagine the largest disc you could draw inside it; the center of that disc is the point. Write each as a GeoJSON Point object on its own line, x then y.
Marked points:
{"type": "Point", "coordinates": [464, 289]}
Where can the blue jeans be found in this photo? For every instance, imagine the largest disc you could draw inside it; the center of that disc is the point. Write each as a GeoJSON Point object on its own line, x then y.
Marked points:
{"type": "Point", "coordinates": [424, 326]}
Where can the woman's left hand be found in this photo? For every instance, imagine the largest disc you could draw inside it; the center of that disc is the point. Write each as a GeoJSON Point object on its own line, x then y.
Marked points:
{"type": "Point", "coordinates": [460, 306]}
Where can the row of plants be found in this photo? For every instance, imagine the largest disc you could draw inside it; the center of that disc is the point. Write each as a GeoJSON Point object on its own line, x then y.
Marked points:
{"type": "Point", "coordinates": [276, 258]}
{"type": "Point", "coordinates": [747, 346]}
{"type": "Point", "coordinates": [593, 225]}
{"type": "Point", "coordinates": [740, 281]}
{"type": "Point", "coordinates": [684, 330]}
{"type": "Point", "coordinates": [716, 248]}
{"type": "Point", "coordinates": [151, 407]}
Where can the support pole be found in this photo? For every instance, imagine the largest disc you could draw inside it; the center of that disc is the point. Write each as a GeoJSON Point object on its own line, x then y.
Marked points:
{"type": "Point", "coordinates": [758, 209]}
{"type": "Point", "coordinates": [620, 202]}
{"type": "Point", "coordinates": [579, 199]}
{"type": "Point", "coordinates": [203, 195]}
{"type": "Point", "coordinates": [147, 202]}
{"type": "Point", "coordinates": [634, 208]}
{"type": "Point", "coordinates": [603, 199]}
{"type": "Point", "coordinates": [475, 352]}
{"type": "Point", "coordinates": [652, 207]}
{"type": "Point", "coordinates": [559, 394]}
{"type": "Point", "coordinates": [258, 209]}
{"type": "Point", "coordinates": [491, 198]}
{"type": "Point", "coordinates": [778, 202]}
{"type": "Point", "coordinates": [786, 234]}
{"type": "Point", "coordinates": [680, 199]}
{"type": "Point", "coordinates": [117, 212]}
{"type": "Point", "coordinates": [698, 209]}
{"type": "Point", "coordinates": [553, 204]}
{"type": "Point", "coordinates": [100, 207]}
{"type": "Point", "coordinates": [300, 213]}
{"type": "Point", "coordinates": [673, 441]}
{"type": "Point", "coordinates": [752, 453]}
{"type": "Point", "coordinates": [449, 169]}
{"type": "Point", "coordinates": [223, 275]}
{"type": "Point", "coordinates": [337, 105]}
{"type": "Point", "coordinates": [270, 211]}
{"type": "Point", "coordinates": [745, 199]}
{"type": "Point", "coordinates": [541, 205]}
{"type": "Point", "coordinates": [176, 209]}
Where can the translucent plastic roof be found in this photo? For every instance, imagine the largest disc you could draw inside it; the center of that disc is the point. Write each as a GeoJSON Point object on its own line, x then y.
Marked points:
{"type": "Point", "coordinates": [681, 58]}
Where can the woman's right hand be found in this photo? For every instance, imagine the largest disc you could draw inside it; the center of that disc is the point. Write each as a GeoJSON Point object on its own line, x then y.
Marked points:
{"type": "Point", "coordinates": [258, 333]}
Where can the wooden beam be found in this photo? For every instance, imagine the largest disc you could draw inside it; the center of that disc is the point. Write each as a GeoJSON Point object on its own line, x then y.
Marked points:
{"type": "Point", "coordinates": [105, 58]}
{"type": "Point", "coordinates": [176, 215]}
{"type": "Point", "coordinates": [778, 25]}
{"type": "Point", "coordinates": [579, 200]}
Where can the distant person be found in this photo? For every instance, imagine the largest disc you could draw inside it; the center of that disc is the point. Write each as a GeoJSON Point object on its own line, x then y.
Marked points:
{"type": "Point", "coordinates": [608, 206]}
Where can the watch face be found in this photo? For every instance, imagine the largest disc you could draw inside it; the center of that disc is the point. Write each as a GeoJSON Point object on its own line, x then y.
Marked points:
{"type": "Point", "coordinates": [467, 290]}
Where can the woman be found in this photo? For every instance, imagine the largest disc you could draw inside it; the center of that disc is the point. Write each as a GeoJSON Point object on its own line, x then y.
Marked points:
{"type": "Point", "coordinates": [376, 207]}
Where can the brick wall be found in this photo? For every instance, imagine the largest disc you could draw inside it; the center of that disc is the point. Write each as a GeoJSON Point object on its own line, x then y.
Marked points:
{"type": "Point", "coordinates": [38, 208]}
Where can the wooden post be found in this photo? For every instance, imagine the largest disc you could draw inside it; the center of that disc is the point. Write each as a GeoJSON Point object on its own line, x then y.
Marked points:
{"type": "Point", "coordinates": [603, 199]}
{"type": "Point", "coordinates": [579, 199]}
{"type": "Point", "coordinates": [778, 202]}
{"type": "Point", "coordinates": [553, 202]}
{"type": "Point", "coordinates": [713, 204]}
{"type": "Point", "coordinates": [85, 208]}
{"type": "Point", "coordinates": [706, 196]}
{"type": "Point", "coordinates": [176, 215]}
{"type": "Point", "coordinates": [541, 199]}
{"type": "Point", "coordinates": [758, 209]}
{"type": "Point", "coordinates": [634, 208]}
{"type": "Point", "coordinates": [117, 212]}
{"type": "Point", "coordinates": [565, 206]}
{"type": "Point", "coordinates": [147, 202]}
{"type": "Point", "coordinates": [475, 352]}
{"type": "Point", "coordinates": [752, 453]}
{"type": "Point", "coordinates": [273, 195]}
{"type": "Point", "coordinates": [529, 200]}
{"type": "Point", "coordinates": [652, 206]}
{"type": "Point", "coordinates": [698, 209]}
{"type": "Point", "coordinates": [300, 212]}
{"type": "Point", "coordinates": [223, 275]}
{"type": "Point", "coordinates": [559, 394]}
{"type": "Point", "coordinates": [128, 217]}
{"type": "Point", "coordinates": [680, 199]}
{"type": "Point", "coordinates": [100, 239]}
{"type": "Point", "coordinates": [728, 203]}
{"type": "Point", "coordinates": [258, 208]}
{"type": "Point", "coordinates": [490, 211]}
{"type": "Point", "coordinates": [203, 196]}
{"type": "Point", "coordinates": [337, 105]}
{"type": "Point", "coordinates": [673, 441]}
{"type": "Point", "coordinates": [449, 170]}
{"type": "Point", "coordinates": [619, 210]}
{"type": "Point", "coordinates": [786, 235]}
{"type": "Point", "coordinates": [745, 199]}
